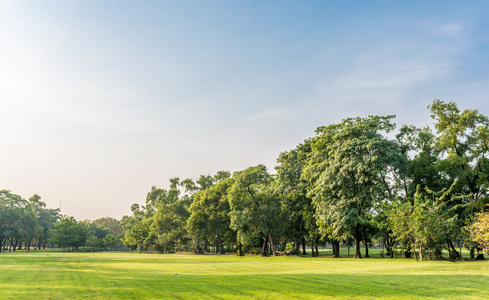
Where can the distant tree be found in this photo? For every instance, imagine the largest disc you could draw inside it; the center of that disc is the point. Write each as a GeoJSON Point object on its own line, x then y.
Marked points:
{"type": "Point", "coordinates": [92, 242]}
{"type": "Point", "coordinates": [93, 229]}
{"type": "Point", "coordinates": [113, 225]}
{"type": "Point", "coordinates": [110, 241]}
{"type": "Point", "coordinates": [17, 220]}
{"type": "Point", "coordinates": [68, 233]}
{"type": "Point", "coordinates": [137, 236]}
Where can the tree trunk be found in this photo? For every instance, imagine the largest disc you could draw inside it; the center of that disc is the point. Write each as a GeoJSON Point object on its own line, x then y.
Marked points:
{"type": "Point", "coordinates": [317, 251]}
{"type": "Point", "coordinates": [271, 244]}
{"type": "Point", "coordinates": [420, 253]}
{"type": "Point", "coordinates": [407, 252]}
{"type": "Point", "coordinates": [264, 248]}
{"type": "Point", "coordinates": [366, 248]}
{"type": "Point", "coordinates": [240, 250]}
{"type": "Point", "coordinates": [336, 249]}
{"type": "Point", "coordinates": [454, 253]}
{"type": "Point", "coordinates": [357, 242]}
{"type": "Point", "coordinates": [221, 246]}
{"type": "Point", "coordinates": [304, 246]}
{"type": "Point", "coordinates": [480, 252]}
{"type": "Point", "coordinates": [298, 234]}
{"type": "Point", "coordinates": [389, 244]}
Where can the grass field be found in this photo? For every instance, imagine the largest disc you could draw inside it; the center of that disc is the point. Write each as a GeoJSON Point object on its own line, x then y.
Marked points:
{"type": "Point", "coordinates": [118, 275]}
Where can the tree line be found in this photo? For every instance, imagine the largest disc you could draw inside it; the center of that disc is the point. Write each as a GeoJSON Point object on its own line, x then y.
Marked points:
{"type": "Point", "coordinates": [29, 225]}
{"type": "Point", "coordinates": [417, 189]}
{"type": "Point", "coordinates": [24, 222]}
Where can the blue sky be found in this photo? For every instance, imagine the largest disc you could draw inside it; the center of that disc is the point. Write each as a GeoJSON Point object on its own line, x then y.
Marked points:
{"type": "Point", "coordinates": [100, 100]}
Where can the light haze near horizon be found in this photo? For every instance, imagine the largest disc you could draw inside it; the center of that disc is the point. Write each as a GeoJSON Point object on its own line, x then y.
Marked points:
{"type": "Point", "coordinates": [100, 100]}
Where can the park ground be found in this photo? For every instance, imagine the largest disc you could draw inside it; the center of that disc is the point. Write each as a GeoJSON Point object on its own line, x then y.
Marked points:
{"type": "Point", "coordinates": [121, 275]}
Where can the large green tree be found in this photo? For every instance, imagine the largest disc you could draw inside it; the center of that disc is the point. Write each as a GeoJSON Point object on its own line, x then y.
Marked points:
{"type": "Point", "coordinates": [209, 221]}
{"type": "Point", "coordinates": [170, 219]}
{"type": "Point", "coordinates": [255, 207]}
{"type": "Point", "coordinates": [462, 136]}
{"type": "Point", "coordinates": [350, 170]}
{"type": "Point", "coordinates": [297, 206]}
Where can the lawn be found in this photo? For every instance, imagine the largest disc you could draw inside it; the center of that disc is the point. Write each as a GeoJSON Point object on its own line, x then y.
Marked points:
{"type": "Point", "coordinates": [118, 275]}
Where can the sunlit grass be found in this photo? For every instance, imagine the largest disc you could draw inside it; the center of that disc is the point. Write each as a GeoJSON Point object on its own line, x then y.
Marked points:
{"type": "Point", "coordinates": [116, 275]}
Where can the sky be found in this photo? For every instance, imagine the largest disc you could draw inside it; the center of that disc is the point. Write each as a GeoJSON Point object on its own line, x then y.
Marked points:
{"type": "Point", "coordinates": [101, 100]}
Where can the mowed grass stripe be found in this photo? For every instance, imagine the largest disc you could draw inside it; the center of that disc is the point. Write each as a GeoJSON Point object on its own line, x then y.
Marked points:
{"type": "Point", "coordinates": [56, 275]}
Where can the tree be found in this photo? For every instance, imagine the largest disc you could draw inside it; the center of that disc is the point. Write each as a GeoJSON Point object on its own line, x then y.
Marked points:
{"type": "Point", "coordinates": [350, 170]}
{"type": "Point", "coordinates": [425, 222]}
{"type": "Point", "coordinates": [170, 219]}
{"type": "Point", "coordinates": [92, 242]}
{"type": "Point", "coordinates": [209, 221]}
{"type": "Point", "coordinates": [463, 139]}
{"type": "Point", "coordinates": [68, 233]}
{"type": "Point", "coordinates": [113, 225]}
{"type": "Point", "coordinates": [17, 220]}
{"type": "Point", "coordinates": [137, 235]}
{"type": "Point", "coordinates": [255, 208]}
{"type": "Point", "coordinates": [479, 230]}
{"type": "Point", "coordinates": [292, 187]}
{"type": "Point", "coordinates": [110, 241]}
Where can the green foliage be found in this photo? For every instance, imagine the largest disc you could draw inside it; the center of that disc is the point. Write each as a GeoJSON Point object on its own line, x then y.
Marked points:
{"type": "Point", "coordinates": [113, 225]}
{"type": "Point", "coordinates": [350, 170]}
{"type": "Point", "coordinates": [24, 221]}
{"type": "Point", "coordinates": [110, 241]}
{"type": "Point", "coordinates": [68, 233]}
{"type": "Point", "coordinates": [292, 187]}
{"type": "Point", "coordinates": [209, 221]}
{"type": "Point", "coordinates": [255, 207]}
{"type": "Point", "coordinates": [137, 235]}
{"type": "Point", "coordinates": [427, 222]}
{"type": "Point", "coordinates": [479, 230]}
{"type": "Point", "coordinates": [93, 242]}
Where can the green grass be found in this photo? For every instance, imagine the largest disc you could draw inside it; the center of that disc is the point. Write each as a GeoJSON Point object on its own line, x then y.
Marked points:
{"type": "Point", "coordinates": [116, 275]}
